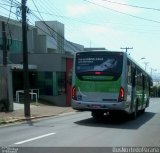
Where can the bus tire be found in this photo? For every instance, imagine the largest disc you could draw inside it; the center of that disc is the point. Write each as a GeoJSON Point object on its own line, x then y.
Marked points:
{"type": "Point", "coordinates": [143, 110]}
{"type": "Point", "coordinates": [147, 104]}
{"type": "Point", "coordinates": [97, 114]}
{"type": "Point", "coordinates": [134, 114]}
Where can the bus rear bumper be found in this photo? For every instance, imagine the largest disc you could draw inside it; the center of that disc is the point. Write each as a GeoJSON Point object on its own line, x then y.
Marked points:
{"type": "Point", "coordinates": [89, 106]}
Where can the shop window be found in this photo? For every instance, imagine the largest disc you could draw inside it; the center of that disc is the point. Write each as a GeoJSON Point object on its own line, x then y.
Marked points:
{"type": "Point", "coordinates": [61, 82]}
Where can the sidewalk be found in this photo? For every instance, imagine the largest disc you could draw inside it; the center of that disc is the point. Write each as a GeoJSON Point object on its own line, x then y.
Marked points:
{"type": "Point", "coordinates": [36, 111]}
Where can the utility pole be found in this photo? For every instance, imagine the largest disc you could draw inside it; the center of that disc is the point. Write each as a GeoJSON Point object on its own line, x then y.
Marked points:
{"type": "Point", "coordinates": [126, 48]}
{"type": "Point", "coordinates": [4, 46]}
{"type": "Point", "coordinates": [25, 60]}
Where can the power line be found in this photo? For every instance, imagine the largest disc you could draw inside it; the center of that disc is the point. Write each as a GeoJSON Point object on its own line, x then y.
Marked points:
{"type": "Point", "coordinates": [11, 4]}
{"type": "Point", "coordinates": [132, 27]}
{"type": "Point", "coordinates": [49, 28]}
{"type": "Point", "coordinates": [49, 8]}
{"type": "Point", "coordinates": [135, 6]}
{"type": "Point", "coordinates": [66, 17]}
{"type": "Point", "coordinates": [17, 2]}
{"type": "Point", "coordinates": [7, 5]}
{"type": "Point", "coordinates": [8, 21]}
{"type": "Point", "coordinates": [150, 20]}
{"type": "Point", "coordinates": [70, 44]}
{"type": "Point", "coordinates": [69, 27]}
{"type": "Point", "coordinates": [73, 47]}
{"type": "Point", "coordinates": [85, 22]}
{"type": "Point", "coordinates": [42, 17]}
{"type": "Point", "coordinates": [91, 23]}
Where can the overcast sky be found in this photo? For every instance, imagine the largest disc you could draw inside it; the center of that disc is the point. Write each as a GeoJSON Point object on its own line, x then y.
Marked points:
{"type": "Point", "coordinates": [113, 24]}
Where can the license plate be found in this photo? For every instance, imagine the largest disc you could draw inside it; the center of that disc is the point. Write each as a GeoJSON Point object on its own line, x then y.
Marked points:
{"type": "Point", "coordinates": [96, 106]}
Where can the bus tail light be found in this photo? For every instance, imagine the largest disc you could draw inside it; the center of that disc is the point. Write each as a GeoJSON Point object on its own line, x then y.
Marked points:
{"type": "Point", "coordinates": [98, 73]}
{"type": "Point", "coordinates": [74, 93]}
{"type": "Point", "coordinates": [121, 94]}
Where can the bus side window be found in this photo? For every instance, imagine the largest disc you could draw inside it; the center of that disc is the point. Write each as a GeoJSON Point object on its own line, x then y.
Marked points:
{"type": "Point", "coordinates": [129, 72]}
{"type": "Point", "coordinates": [144, 82]}
{"type": "Point", "coordinates": [133, 75]}
{"type": "Point", "coordinates": [139, 78]}
{"type": "Point", "coordinates": [149, 85]}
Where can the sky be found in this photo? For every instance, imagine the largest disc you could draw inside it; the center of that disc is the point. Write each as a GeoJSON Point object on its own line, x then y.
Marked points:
{"type": "Point", "coordinates": [113, 24]}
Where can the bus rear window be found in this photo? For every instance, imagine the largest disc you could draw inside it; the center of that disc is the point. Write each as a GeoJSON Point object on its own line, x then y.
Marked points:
{"type": "Point", "coordinates": [101, 64]}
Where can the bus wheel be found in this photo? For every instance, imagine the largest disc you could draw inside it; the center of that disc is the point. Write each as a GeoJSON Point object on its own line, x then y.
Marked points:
{"type": "Point", "coordinates": [147, 104]}
{"type": "Point", "coordinates": [143, 110]}
{"type": "Point", "coordinates": [97, 114]}
{"type": "Point", "coordinates": [134, 114]}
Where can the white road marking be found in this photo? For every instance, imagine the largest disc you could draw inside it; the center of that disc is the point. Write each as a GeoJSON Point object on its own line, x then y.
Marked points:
{"type": "Point", "coordinates": [35, 138]}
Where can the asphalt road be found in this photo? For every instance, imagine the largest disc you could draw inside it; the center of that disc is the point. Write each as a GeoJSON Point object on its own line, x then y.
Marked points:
{"type": "Point", "coordinates": [81, 130]}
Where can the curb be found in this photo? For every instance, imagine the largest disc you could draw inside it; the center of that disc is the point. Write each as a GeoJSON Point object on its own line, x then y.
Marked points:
{"type": "Point", "coordinates": [5, 122]}
{"type": "Point", "coordinates": [23, 119]}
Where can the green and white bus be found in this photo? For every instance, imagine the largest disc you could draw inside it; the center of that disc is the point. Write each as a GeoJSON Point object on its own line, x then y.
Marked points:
{"type": "Point", "coordinates": [107, 82]}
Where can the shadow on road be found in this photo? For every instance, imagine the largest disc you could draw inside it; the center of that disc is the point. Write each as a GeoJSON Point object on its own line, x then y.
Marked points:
{"type": "Point", "coordinates": [119, 121]}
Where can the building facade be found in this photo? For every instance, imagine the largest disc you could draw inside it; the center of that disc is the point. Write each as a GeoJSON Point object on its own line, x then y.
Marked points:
{"type": "Point", "coordinates": [50, 55]}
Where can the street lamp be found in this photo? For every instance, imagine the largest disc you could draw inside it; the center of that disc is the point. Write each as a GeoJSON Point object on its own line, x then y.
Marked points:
{"type": "Point", "coordinates": [152, 71]}
{"type": "Point", "coordinates": [141, 59]}
{"type": "Point", "coordinates": [146, 63]}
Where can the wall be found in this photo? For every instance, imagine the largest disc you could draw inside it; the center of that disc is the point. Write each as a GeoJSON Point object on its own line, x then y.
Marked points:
{"type": "Point", "coordinates": [44, 61]}
{"type": "Point", "coordinates": [48, 62]}
{"type": "Point", "coordinates": [14, 35]}
{"type": "Point", "coordinates": [56, 100]}
{"type": "Point", "coordinates": [6, 93]}
{"type": "Point", "coordinates": [72, 47]}
{"type": "Point", "coordinates": [16, 58]}
{"type": "Point", "coordinates": [41, 44]}
{"type": "Point", "coordinates": [54, 31]}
